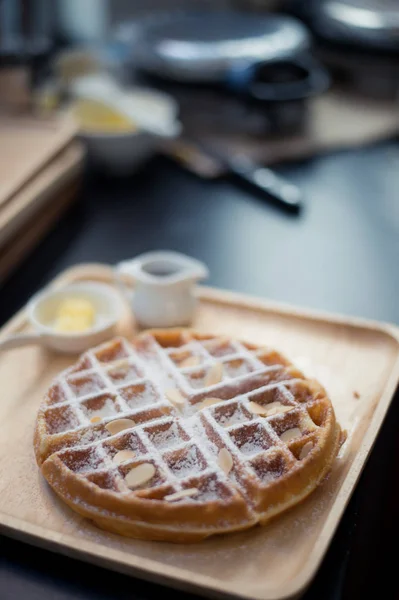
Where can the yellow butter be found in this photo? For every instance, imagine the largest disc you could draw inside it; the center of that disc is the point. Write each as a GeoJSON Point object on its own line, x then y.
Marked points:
{"type": "Point", "coordinates": [93, 115]}
{"type": "Point", "coordinates": [74, 315]}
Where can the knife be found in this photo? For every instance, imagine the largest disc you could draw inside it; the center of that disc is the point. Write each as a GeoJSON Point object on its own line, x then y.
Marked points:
{"type": "Point", "coordinates": [207, 162]}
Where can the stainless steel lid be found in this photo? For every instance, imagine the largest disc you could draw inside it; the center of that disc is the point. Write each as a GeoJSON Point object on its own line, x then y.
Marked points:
{"type": "Point", "coordinates": [370, 23]}
{"type": "Point", "coordinates": [196, 47]}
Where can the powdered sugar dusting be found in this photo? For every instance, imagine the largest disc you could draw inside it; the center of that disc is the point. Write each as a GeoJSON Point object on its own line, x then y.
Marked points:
{"type": "Point", "coordinates": [186, 463]}
{"type": "Point", "coordinates": [167, 437]}
{"type": "Point", "coordinates": [104, 409]}
{"type": "Point", "coordinates": [183, 444]}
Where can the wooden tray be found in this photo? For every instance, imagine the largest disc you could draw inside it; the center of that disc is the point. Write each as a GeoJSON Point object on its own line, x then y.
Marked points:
{"type": "Point", "coordinates": [358, 362]}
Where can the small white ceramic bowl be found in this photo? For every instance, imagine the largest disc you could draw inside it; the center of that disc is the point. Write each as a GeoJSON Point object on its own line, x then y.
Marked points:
{"type": "Point", "coordinates": [42, 309]}
{"type": "Point", "coordinates": [122, 153]}
{"type": "Point", "coordinates": [154, 114]}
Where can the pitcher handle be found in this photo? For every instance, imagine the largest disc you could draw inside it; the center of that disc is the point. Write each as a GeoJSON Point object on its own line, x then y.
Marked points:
{"type": "Point", "coordinates": [125, 290]}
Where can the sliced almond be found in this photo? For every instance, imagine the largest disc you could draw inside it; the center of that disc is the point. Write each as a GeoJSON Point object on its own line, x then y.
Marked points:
{"type": "Point", "coordinates": [209, 402]}
{"type": "Point", "coordinates": [182, 494]}
{"type": "Point", "coordinates": [120, 363]}
{"type": "Point", "coordinates": [262, 350]}
{"type": "Point", "coordinates": [305, 450]}
{"type": "Point", "coordinates": [257, 409]}
{"type": "Point", "coordinates": [225, 460]}
{"type": "Point", "coordinates": [119, 425]}
{"type": "Point", "coordinates": [139, 475]}
{"type": "Point", "coordinates": [267, 410]}
{"type": "Point", "coordinates": [216, 342]}
{"type": "Point", "coordinates": [214, 375]}
{"type": "Point", "coordinates": [291, 434]}
{"type": "Point", "coordinates": [285, 409]}
{"type": "Point", "coordinates": [190, 361]}
{"type": "Point", "coordinates": [276, 408]}
{"type": "Point", "coordinates": [175, 397]}
{"type": "Point", "coordinates": [273, 411]}
{"type": "Point", "coordinates": [95, 419]}
{"type": "Point", "coordinates": [123, 455]}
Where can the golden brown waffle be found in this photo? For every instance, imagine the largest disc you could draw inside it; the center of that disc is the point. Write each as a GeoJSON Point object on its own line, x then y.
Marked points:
{"type": "Point", "coordinates": [179, 436]}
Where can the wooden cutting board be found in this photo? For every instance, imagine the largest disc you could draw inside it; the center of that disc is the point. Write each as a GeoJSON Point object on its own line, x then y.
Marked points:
{"type": "Point", "coordinates": [27, 144]}
{"type": "Point", "coordinates": [30, 213]}
{"type": "Point", "coordinates": [40, 190]}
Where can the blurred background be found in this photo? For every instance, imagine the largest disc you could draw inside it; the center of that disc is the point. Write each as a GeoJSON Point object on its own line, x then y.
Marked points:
{"type": "Point", "coordinates": [224, 88]}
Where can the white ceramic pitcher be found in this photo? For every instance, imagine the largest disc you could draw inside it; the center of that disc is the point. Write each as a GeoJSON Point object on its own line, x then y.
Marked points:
{"type": "Point", "coordinates": [164, 283]}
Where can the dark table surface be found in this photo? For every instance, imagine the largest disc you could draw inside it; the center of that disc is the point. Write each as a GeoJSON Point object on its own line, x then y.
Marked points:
{"type": "Point", "coordinates": [340, 254]}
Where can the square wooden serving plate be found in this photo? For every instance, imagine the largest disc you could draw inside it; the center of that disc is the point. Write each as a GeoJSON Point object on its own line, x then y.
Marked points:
{"type": "Point", "coordinates": [357, 361]}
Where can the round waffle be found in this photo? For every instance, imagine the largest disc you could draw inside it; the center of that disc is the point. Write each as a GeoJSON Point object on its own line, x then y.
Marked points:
{"type": "Point", "coordinates": [179, 436]}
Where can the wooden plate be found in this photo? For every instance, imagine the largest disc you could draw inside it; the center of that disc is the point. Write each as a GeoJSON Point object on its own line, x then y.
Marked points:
{"type": "Point", "coordinates": [357, 361]}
